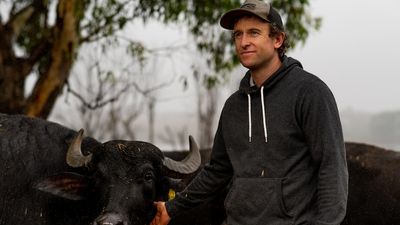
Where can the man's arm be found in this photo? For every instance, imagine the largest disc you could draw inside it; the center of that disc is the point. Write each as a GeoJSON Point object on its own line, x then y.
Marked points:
{"type": "Point", "coordinates": [323, 131]}
{"type": "Point", "coordinates": [213, 178]}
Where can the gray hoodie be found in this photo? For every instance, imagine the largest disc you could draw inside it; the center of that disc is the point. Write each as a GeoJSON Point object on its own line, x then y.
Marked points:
{"type": "Point", "coordinates": [280, 147]}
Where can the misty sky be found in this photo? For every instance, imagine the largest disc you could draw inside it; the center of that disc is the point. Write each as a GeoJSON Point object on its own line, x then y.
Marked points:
{"type": "Point", "coordinates": [356, 52]}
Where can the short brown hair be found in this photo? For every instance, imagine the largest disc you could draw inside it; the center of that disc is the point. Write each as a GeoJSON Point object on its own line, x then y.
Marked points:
{"type": "Point", "coordinates": [274, 31]}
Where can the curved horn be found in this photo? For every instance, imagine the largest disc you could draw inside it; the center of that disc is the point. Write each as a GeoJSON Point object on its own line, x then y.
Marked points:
{"type": "Point", "coordinates": [188, 165]}
{"type": "Point", "coordinates": [75, 158]}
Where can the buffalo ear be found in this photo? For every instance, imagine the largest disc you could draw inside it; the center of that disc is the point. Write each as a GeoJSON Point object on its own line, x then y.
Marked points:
{"type": "Point", "coordinates": [71, 186]}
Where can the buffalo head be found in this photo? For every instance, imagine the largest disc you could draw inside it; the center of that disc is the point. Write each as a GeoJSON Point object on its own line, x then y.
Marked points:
{"type": "Point", "coordinates": [127, 177]}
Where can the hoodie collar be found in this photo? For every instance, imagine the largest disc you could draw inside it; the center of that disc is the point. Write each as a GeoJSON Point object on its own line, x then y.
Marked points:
{"type": "Point", "coordinates": [247, 85]}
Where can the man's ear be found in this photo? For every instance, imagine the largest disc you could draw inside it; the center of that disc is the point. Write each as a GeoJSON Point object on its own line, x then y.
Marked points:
{"type": "Point", "coordinates": [279, 39]}
{"type": "Point", "coordinates": [71, 186]}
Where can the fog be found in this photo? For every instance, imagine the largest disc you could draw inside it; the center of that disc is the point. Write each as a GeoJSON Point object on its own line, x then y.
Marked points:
{"type": "Point", "coordinates": [354, 52]}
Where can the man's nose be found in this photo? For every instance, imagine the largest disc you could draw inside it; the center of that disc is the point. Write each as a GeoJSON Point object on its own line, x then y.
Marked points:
{"type": "Point", "coordinates": [244, 41]}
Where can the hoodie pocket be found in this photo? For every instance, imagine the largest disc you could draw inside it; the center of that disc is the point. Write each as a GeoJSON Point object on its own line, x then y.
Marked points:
{"type": "Point", "coordinates": [257, 201]}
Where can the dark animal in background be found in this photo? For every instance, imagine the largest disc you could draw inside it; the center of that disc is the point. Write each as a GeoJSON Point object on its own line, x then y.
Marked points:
{"type": "Point", "coordinates": [52, 175]}
{"type": "Point", "coordinates": [374, 185]}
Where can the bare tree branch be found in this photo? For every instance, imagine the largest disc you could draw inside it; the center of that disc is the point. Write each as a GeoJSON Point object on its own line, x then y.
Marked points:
{"type": "Point", "coordinates": [99, 102]}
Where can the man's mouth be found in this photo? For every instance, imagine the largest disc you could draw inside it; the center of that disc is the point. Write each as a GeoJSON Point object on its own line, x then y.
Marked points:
{"type": "Point", "coordinates": [247, 53]}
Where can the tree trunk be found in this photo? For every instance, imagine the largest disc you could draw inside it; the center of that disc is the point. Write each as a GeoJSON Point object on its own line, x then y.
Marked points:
{"type": "Point", "coordinates": [12, 75]}
{"type": "Point", "coordinates": [12, 84]}
{"type": "Point", "coordinates": [63, 53]}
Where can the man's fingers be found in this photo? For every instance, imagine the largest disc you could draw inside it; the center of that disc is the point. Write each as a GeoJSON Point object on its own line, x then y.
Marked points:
{"type": "Point", "coordinates": [157, 217]}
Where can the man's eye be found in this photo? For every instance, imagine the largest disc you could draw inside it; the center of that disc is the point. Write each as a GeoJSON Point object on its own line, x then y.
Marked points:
{"type": "Point", "coordinates": [237, 35]}
{"type": "Point", "coordinates": [254, 33]}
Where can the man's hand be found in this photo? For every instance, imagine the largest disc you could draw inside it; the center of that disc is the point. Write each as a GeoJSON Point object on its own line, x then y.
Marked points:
{"type": "Point", "coordinates": [161, 217]}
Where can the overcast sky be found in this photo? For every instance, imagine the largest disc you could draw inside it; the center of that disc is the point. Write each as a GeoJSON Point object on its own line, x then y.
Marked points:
{"type": "Point", "coordinates": [356, 52]}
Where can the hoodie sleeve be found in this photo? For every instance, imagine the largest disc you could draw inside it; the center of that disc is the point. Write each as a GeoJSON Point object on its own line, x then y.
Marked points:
{"type": "Point", "coordinates": [213, 178]}
{"type": "Point", "coordinates": [323, 132]}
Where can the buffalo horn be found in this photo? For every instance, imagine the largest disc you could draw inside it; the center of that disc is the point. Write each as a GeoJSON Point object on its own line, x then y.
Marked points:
{"type": "Point", "coordinates": [75, 158]}
{"type": "Point", "coordinates": [188, 165]}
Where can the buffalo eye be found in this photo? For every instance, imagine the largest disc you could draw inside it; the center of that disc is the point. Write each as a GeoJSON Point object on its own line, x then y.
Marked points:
{"type": "Point", "coordinates": [148, 176]}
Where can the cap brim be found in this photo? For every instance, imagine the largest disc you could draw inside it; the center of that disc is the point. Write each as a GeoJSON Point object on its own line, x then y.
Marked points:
{"type": "Point", "coordinates": [229, 19]}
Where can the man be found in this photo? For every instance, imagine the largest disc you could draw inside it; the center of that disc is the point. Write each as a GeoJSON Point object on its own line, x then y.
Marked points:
{"type": "Point", "coordinates": [279, 144]}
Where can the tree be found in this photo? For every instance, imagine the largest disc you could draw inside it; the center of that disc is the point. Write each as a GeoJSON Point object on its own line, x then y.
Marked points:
{"type": "Point", "coordinates": [94, 101]}
{"type": "Point", "coordinates": [112, 95]}
{"type": "Point", "coordinates": [42, 38]}
{"type": "Point", "coordinates": [207, 98]}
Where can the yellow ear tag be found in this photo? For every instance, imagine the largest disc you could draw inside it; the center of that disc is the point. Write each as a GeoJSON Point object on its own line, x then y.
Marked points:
{"type": "Point", "coordinates": [171, 194]}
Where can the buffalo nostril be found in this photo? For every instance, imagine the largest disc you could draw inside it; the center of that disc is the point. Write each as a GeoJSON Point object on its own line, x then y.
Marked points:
{"type": "Point", "coordinates": [110, 219]}
{"type": "Point", "coordinates": [110, 223]}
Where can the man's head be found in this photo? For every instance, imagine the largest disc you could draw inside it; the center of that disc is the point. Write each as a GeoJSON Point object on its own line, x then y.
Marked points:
{"type": "Point", "coordinates": [253, 21]}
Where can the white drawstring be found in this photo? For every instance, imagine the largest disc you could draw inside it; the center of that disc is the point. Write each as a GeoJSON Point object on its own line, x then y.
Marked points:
{"type": "Point", "coordinates": [249, 103]}
{"type": "Point", "coordinates": [263, 114]}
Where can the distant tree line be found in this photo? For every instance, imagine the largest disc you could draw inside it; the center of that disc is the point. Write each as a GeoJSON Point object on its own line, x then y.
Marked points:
{"type": "Point", "coordinates": [382, 129]}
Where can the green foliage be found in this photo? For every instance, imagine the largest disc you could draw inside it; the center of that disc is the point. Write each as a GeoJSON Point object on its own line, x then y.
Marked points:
{"type": "Point", "coordinates": [202, 18]}
{"type": "Point", "coordinates": [105, 17]}
{"type": "Point", "coordinates": [298, 19]}
{"type": "Point", "coordinates": [102, 19]}
{"type": "Point", "coordinates": [138, 51]}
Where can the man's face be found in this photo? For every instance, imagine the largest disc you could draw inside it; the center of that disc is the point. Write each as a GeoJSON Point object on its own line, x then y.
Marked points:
{"type": "Point", "coordinates": [254, 47]}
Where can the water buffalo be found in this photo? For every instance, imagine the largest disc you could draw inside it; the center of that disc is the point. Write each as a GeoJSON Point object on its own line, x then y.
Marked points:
{"type": "Point", "coordinates": [52, 175]}
{"type": "Point", "coordinates": [374, 187]}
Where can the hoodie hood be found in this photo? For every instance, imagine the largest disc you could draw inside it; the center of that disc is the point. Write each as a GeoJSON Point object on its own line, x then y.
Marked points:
{"type": "Point", "coordinates": [288, 64]}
